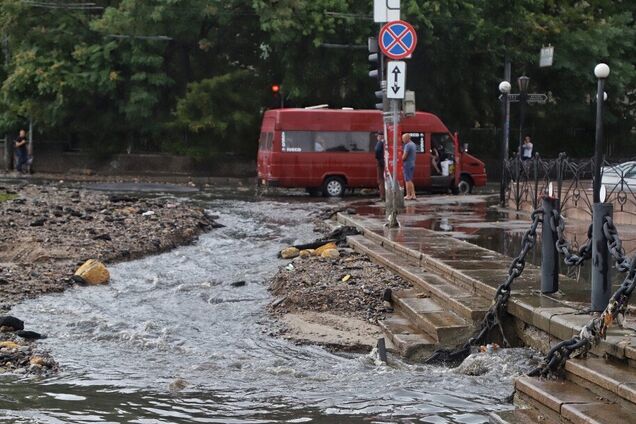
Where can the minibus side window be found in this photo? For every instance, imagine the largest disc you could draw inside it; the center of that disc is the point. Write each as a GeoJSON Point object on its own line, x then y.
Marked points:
{"type": "Point", "coordinates": [297, 141]}
{"type": "Point", "coordinates": [420, 142]}
{"type": "Point", "coordinates": [270, 141]}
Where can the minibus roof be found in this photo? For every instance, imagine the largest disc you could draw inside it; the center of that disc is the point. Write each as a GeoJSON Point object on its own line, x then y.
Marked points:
{"type": "Point", "coordinates": [348, 120]}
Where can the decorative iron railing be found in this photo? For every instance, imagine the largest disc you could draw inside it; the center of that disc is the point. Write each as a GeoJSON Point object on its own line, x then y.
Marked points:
{"type": "Point", "coordinates": [528, 180]}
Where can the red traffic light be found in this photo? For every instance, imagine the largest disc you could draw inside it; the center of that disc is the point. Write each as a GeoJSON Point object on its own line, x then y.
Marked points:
{"type": "Point", "coordinates": [275, 88]}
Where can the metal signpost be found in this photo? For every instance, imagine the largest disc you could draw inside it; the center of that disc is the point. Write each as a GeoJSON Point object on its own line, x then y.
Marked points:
{"type": "Point", "coordinates": [397, 40]}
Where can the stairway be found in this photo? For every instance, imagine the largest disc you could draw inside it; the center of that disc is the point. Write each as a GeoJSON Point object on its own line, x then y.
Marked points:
{"type": "Point", "coordinates": [595, 390]}
{"type": "Point", "coordinates": [434, 313]}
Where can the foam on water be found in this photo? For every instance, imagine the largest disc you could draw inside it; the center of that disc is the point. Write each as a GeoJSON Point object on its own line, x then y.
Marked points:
{"type": "Point", "coordinates": [171, 340]}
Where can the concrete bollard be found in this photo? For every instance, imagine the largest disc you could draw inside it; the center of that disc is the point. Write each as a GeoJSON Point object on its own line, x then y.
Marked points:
{"type": "Point", "coordinates": [601, 284]}
{"type": "Point", "coordinates": [549, 253]}
{"type": "Point", "coordinates": [381, 346]}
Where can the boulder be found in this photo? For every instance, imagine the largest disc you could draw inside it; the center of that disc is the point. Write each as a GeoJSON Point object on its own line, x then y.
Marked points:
{"type": "Point", "coordinates": [92, 272]}
{"type": "Point", "coordinates": [289, 253]}
{"type": "Point", "coordinates": [330, 253]}
{"type": "Point", "coordinates": [328, 246]}
{"type": "Point", "coordinates": [306, 253]}
{"type": "Point", "coordinates": [8, 345]}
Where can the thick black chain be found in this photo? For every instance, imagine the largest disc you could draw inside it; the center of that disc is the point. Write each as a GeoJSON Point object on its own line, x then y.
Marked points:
{"type": "Point", "coordinates": [492, 318]}
{"type": "Point", "coordinates": [563, 246]}
{"type": "Point", "coordinates": [615, 245]}
{"type": "Point", "coordinates": [593, 331]}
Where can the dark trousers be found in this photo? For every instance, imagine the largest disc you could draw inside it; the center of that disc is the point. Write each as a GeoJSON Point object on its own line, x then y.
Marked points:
{"type": "Point", "coordinates": [380, 171]}
{"type": "Point", "coordinates": [21, 160]}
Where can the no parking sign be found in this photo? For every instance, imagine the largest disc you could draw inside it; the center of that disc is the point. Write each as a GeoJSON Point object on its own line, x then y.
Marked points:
{"type": "Point", "coordinates": [397, 40]}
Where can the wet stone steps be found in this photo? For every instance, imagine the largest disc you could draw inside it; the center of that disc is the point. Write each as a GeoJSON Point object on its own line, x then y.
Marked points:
{"type": "Point", "coordinates": [519, 416]}
{"type": "Point", "coordinates": [407, 341]}
{"type": "Point", "coordinates": [461, 300]}
{"type": "Point", "coordinates": [566, 401]}
{"type": "Point", "coordinates": [444, 326]}
{"type": "Point", "coordinates": [609, 379]}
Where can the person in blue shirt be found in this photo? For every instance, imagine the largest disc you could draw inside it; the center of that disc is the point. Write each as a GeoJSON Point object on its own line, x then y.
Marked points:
{"type": "Point", "coordinates": [379, 158]}
{"type": "Point", "coordinates": [408, 159]}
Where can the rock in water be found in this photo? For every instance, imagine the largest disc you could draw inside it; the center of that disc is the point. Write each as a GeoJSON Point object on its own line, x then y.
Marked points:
{"type": "Point", "coordinates": [289, 253]}
{"type": "Point", "coordinates": [330, 253]}
{"type": "Point", "coordinates": [92, 272]}
{"type": "Point", "coordinates": [11, 323]}
{"type": "Point", "coordinates": [328, 246]}
{"type": "Point", "coordinates": [30, 335]}
{"type": "Point", "coordinates": [238, 284]}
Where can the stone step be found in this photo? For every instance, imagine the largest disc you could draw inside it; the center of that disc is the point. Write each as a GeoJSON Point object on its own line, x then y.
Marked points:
{"type": "Point", "coordinates": [519, 416]}
{"type": "Point", "coordinates": [566, 400]}
{"type": "Point", "coordinates": [461, 300]}
{"type": "Point", "coordinates": [617, 379]}
{"type": "Point", "coordinates": [445, 327]}
{"type": "Point", "coordinates": [406, 340]}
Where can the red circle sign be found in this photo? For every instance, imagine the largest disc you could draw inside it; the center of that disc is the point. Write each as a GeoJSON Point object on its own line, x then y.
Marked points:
{"type": "Point", "coordinates": [397, 40]}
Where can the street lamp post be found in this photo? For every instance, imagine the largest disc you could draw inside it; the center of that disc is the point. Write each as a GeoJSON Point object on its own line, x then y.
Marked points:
{"type": "Point", "coordinates": [523, 82]}
{"type": "Point", "coordinates": [601, 71]}
{"type": "Point", "coordinates": [601, 283]}
{"type": "Point", "coordinates": [504, 88]}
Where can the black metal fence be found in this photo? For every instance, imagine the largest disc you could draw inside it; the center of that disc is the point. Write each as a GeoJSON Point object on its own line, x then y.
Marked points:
{"type": "Point", "coordinates": [526, 181]}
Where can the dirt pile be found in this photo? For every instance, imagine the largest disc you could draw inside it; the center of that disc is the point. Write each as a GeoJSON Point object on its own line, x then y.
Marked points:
{"type": "Point", "coordinates": [350, 286]}
{"type": "Point", "coordinates": [47, 231]}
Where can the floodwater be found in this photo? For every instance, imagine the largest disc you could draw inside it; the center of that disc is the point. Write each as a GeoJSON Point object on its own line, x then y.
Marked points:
{"type": "Point", "coordinates": [170, 340]}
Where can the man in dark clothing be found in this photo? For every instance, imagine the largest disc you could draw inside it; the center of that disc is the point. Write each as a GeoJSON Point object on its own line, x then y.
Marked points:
{"type": "Point", "coordinates": [379, 158]}
{"type": "Point", "coordinates": [21, 151]}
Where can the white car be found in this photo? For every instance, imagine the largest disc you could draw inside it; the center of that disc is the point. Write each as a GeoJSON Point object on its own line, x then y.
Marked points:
{"type": "Point", "coordinates": [619, 177]}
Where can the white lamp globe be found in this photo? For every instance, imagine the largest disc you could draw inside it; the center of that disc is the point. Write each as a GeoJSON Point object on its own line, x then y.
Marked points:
{"type": "Point", "coordinates": [601, 71]}
{"type": "Point", "coordinates": [505, 87]}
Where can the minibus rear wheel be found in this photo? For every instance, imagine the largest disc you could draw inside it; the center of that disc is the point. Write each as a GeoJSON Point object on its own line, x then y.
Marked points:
{"type": "Point", "coordinates": [333, 187]}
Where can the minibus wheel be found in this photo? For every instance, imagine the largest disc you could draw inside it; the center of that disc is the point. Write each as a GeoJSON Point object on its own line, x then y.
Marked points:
{"type": "Point", "coordinates": [333, 187]}
{"type": "Point", "coordinates": [465, 185]}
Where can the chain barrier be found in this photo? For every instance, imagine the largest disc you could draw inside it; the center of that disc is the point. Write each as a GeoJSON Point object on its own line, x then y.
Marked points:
{"type": "Point", "coordinates": [492, 318]}
{"type": "Point", "coordinates": [615, 245]}
{"type": "Point", "coordinates": [592, 333]}
{"type": "Point", "coordinates": [564, 247]}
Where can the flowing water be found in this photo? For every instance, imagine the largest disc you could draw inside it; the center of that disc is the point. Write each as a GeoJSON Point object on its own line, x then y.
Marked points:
{"type": "Point", "coordinates": [170, 340]}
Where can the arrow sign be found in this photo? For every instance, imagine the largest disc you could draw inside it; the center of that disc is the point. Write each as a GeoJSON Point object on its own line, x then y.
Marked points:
{"type": "Point", "coordinates": [530, 98]}
{"type": "Point", "coordinates": [397, 80]}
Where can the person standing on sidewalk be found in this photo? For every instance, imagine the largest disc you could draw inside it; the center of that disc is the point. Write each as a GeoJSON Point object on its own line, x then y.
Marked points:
{"type": "Point", "coordinates": [379, 158]}
{"type": "Point", "coordinates": [408, 159]}
{"type": "Point", "coordinates": [526, 149]}
{"type": "Point", "coordinates": [21, 151]}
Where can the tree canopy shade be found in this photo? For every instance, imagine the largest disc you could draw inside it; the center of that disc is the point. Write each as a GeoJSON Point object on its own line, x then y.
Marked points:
{"type": "Point", "coordinates": [193, 76]}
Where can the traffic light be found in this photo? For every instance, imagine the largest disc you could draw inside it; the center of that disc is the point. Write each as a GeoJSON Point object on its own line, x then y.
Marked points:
{"type": "Point", "coordinates": [377, 72]}
{"type": "Point", "coordinates": [277, 97]}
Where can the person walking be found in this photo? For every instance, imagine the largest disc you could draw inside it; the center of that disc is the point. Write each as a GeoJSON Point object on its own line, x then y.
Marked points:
{"type": "Point", "coordinates": [21, 151]}
{"type": "Point", "coordinates": [526, 149]}
{"type": "Point", "coordinates": [408, 159]}
{"type": "Point", "coordinates": [379, 158]}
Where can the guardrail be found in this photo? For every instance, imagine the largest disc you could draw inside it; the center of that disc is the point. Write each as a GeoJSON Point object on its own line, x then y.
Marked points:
{"type": "Point", "coordinates": [528, 180]}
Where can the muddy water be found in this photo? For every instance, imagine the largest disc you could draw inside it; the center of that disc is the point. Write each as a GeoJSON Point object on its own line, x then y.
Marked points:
{"type": "Point", "coordinates": [170, 340]}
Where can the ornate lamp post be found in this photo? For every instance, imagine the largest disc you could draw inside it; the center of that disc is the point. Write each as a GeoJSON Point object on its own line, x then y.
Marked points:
{"type": "Point", "coordinates": [504, 88]}
{"type": "Point", "coordinates": [523, 82]}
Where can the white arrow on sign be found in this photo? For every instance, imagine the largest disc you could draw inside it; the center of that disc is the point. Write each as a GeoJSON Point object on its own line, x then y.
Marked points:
{"type": "Point", "coordinates": [395, 79]}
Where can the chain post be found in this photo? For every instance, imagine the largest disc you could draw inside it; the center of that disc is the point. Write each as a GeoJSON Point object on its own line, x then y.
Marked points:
{"type": "Point", "coordinates": [549, 253]}
{"type": "Point", "coordinates": [601, 284]}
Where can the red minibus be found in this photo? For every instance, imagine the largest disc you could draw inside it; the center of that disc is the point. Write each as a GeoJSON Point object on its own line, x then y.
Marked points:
{"type": "Point", "coordinates": [331, 150]}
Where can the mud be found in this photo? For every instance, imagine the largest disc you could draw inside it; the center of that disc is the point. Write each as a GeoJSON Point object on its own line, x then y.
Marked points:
{"type": "Point", "coordinates": [47, 231]}
{"type": "Point", "coordinates": [332, 302]}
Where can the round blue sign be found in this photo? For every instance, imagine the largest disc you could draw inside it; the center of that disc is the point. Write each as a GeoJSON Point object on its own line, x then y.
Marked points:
{"type": "Point", "coordinates": [397, 39]}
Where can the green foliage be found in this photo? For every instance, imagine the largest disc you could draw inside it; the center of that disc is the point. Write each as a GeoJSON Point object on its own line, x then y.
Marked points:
{"type": "Point", "coordinates": [193, 76]}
